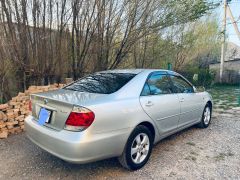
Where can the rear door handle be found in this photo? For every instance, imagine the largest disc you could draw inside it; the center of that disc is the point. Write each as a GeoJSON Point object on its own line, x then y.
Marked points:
{"type": "Point", "coordinates": [149, 103]}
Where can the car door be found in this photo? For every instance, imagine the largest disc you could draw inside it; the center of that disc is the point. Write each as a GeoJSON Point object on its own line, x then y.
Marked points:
{"type": "Point", "coordinates": [190, 102]}
{"type": "Point", "coordinates": [159, 102]}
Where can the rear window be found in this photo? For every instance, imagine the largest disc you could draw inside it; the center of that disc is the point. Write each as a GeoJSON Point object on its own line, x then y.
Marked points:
{"type": "Point", "coordinates": [102, 83]}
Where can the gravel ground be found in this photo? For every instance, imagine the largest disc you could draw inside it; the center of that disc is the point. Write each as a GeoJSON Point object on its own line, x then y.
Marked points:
{"type": "Point", "coordinates": [212, 153]}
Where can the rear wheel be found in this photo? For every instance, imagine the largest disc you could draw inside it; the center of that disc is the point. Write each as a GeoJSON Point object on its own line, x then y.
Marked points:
{"type": "Point", "coordinates": [138, 148]}
{"type": "Point", "coordinates": [206, 117]}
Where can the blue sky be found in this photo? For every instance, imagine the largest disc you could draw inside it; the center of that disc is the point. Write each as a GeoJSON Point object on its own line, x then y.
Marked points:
{"type": "Point", "coordinates": [235, 8]}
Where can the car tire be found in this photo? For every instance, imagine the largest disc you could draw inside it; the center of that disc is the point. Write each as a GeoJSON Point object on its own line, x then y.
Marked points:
{"type": "Point", "coordinates": [206, 117]}
{"type": "Point", "coordinates": [137, 149]}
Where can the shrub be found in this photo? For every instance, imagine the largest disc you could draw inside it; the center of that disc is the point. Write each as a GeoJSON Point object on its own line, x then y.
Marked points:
{"type": "Point", "coordinates": [198, 76]}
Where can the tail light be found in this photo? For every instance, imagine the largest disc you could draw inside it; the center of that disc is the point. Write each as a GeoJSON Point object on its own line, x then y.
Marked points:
{"type": "Point", "coordinates": [79, 119]}
{"type": "Point", "coordinates": [30, 105]}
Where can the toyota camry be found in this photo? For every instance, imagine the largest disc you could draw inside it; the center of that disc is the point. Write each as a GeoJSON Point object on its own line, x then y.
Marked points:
{"type": "Point", "coordinates": [115, 113]}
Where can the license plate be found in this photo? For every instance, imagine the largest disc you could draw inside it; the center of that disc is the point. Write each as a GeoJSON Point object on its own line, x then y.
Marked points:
{"type": "Point", "coordinates": [44, 116]}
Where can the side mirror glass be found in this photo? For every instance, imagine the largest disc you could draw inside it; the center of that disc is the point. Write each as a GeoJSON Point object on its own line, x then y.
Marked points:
{"type": "Point", "coordinates": [200, 89]}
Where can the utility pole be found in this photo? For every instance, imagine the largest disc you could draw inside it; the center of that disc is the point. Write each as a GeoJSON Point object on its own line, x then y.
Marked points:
{"type": "Point", "coordinates": [223, 39]}
{"type": "Point", "coordinates": [233, 22]}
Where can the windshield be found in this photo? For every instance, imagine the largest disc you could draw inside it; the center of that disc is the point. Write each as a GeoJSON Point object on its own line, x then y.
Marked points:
{"type": "Point", "coordinates": [102, 83]}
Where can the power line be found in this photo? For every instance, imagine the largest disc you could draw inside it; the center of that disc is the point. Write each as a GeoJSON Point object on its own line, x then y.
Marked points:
{"type": "Point", "coordinates": [230, 23]}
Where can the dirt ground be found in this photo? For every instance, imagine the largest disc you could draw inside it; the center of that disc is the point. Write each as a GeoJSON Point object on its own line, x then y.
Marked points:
{"type": "Point", "coordinates": [212, 153]}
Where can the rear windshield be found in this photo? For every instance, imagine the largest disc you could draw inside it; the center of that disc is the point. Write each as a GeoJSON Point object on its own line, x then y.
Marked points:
{"type": "Point", "coordinates": [102, 83]}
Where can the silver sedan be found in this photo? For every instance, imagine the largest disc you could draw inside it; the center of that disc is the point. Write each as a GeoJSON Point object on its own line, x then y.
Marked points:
{"type": "Point", "coordinates": [117, 113]}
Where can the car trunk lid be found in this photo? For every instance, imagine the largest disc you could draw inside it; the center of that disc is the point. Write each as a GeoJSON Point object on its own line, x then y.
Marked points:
{"type": "Point", "coordinates": [60, 103]}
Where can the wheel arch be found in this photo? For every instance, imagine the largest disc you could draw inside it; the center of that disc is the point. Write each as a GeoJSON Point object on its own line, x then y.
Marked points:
{"type": "Point", "coordinates": [150, 126]}
{"type": "Point", "coordinates": [210, 104]}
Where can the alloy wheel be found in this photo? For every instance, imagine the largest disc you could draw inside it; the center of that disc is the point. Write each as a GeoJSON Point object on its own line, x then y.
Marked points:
{"type": "Point", "coordinates": [140, 148]}
{"type": "Point", "coordinates": [207, 115]}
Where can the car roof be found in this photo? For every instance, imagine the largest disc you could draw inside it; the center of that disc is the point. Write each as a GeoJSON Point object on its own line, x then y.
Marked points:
{"type": "Point", "coordinates": [137, 71]}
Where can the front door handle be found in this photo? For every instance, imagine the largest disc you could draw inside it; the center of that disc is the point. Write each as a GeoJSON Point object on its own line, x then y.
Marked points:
{"type": "Point", "coordinates": [181, 100]}
{"type": "Point", "coordinates": [149, 103]}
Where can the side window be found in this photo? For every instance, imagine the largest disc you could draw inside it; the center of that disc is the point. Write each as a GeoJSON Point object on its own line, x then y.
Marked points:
{"type": "Point", "coordinates": [146, 90]}
{"type": "Point", "coordinates": [180, 85]}
{"type": "Point", "coordinates": [157, 84]}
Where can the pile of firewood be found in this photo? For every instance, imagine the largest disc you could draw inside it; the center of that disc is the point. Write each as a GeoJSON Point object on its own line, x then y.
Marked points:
{"type": "Point", "coordinates": [13, 113]}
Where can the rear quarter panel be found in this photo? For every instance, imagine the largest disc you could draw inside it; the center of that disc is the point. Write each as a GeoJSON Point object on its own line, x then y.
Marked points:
{"type": "Point", "coordinates": [117, 115]}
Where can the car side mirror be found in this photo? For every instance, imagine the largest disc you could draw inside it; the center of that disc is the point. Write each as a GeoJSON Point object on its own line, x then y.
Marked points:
{"type": "Point", "coordinates": [194, 89]}
{"type": "Point", "coordinates": [200, 89]}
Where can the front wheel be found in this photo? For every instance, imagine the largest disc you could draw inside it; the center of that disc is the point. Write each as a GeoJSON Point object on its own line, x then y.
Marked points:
{"type": "Point", "coordinates": [138, 148]}
{"type": "Point", "coordinates": [206, 117]}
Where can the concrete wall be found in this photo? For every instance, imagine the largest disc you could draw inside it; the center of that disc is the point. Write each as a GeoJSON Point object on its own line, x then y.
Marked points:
{"type": "Point", "coordinates": [231, 73]}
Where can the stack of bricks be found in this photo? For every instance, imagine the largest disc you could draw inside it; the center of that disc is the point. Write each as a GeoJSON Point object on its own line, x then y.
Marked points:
{"type": "Point", "coordinates": [13, 113]}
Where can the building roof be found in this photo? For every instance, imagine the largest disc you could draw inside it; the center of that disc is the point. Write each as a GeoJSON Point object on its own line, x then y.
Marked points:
{"type": "Point", "coordinates": [232, 51]}
{"type": "Point", "coordinates": [228, 61]}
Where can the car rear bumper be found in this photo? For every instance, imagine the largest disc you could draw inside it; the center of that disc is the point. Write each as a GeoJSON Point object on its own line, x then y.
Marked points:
{"type": "Point", "coordinates": [77, 147]}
